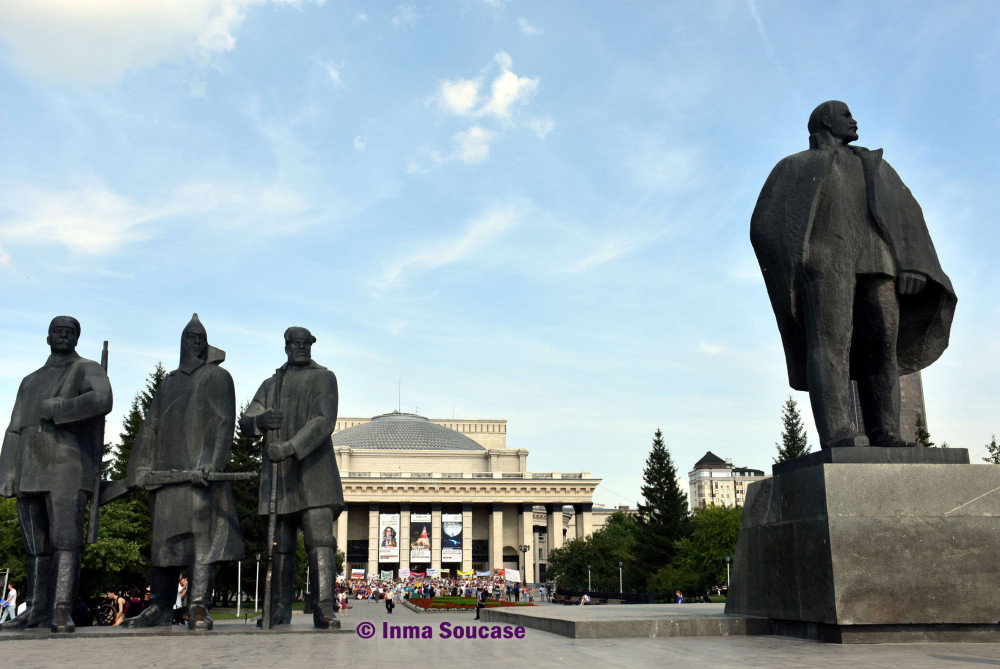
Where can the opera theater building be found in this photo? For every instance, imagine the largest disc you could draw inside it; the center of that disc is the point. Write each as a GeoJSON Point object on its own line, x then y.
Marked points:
{"type": "Point", "coordinates": [448, 495]}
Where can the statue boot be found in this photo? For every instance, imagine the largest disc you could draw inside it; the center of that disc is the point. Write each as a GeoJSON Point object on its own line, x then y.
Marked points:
{"type": "Point", "coordinates": [282, 584]}
{"type": "Point", "coordinates": [66, 565]}
{"type": "Point", "coordinates": [39, 602]}
{"type": "Point", "coordinates": [198, 618]}
{"type": "Point", "coordinates": [323, 563]}
{"type": "Point", "coordinates": [162, 596]}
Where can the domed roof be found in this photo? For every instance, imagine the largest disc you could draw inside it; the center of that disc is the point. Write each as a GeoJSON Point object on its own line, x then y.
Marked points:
{"type": "Point", "coordinates": [395, 431]}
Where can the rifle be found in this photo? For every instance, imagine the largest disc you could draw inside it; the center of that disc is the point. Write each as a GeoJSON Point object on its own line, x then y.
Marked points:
{"type": "Point", "coordinates": [112, 490]}
{"type": "Point", "coordinates": [95, 503]}
{"type": "Point", "coordinates": [272, 518]}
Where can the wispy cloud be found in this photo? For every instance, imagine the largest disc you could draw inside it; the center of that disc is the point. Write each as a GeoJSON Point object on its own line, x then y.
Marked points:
{"type": "Point", "coordinates": [711, 349]}
{"type": "Point", "coordinates": [541, 126]}
{"type": "Point", "coordinates": [472, 146]}
{"type": "Point", "coordinates": [527, 28]}
{"type": "Point", "coordinates": [406, 15]}
{"type": "Point", "coordinates": [359, 143]}
{"type": "Point", "coordinates": [479, 232]}
{"type": "Point", "coordinates": [608, 250]}
{"type": "Point", "coordinates": [333, 71]}
{"type": "Point", "coordinates": [97, 42]}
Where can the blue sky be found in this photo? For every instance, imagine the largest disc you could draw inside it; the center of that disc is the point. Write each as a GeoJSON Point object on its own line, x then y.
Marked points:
{"type": "Point", "coordinates": [521, 210]}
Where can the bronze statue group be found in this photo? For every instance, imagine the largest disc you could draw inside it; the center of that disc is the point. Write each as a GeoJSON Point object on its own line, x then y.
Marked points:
{"type": "Point", "coordinates": [849, 266]}
{"type": "Point", "coordinates": [51, 462]}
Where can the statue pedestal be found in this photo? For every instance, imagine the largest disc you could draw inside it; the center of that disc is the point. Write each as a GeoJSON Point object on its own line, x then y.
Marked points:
{"type": "Point", "coordinates": [873, 545]}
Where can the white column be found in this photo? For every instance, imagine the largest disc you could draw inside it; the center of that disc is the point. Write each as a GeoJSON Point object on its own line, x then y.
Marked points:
{"type": "Point", "coordinates": [373, 537]}
{"type": "Point", "coordinates": [436, 535]}
{"type": "Point", "coordinates": [527, 538]}
{"type": "Point", "coordinates": [466, 536]}
{"type": "Point", "coordinates": [404, 535]}
{"type": "Point", "coordinates": [496, 536]}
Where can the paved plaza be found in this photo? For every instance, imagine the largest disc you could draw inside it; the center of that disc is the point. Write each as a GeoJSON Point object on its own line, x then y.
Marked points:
{"type": "Point", "coordinates": [235, 644]}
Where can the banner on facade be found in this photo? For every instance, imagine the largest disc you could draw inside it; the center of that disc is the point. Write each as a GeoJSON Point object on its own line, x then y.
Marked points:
{"type": "Point", "coordinates": [471, 572]}
{"type": "Point", "coordinates": [404, 573]}
{"type": "Point", "coordinates": [485, 574]}
{"type": "Point", "coordinates": [451, 541]}
{"type": "Point", "coordinates": [357, 573]}
{"type": "Point", "coordinates": [512, 575]}
{"type": "Point", "coordinates": [388, 542]}
{"type": "Point", "coordinates": [420, 538]}
{"type": "Point", "coordinates": [418, 574]}
{"type": "Point", "coordinates": [386, 575]}
{"type": "Point", "coordinates": [431, 572]}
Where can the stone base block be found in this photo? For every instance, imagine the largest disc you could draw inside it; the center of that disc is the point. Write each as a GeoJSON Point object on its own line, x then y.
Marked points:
{"type": "Point", "coordinates": [849, 550]}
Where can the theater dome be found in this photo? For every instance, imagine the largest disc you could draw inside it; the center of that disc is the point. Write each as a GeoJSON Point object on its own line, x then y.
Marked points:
{"type": "Point", "coordinates": [403, 431]}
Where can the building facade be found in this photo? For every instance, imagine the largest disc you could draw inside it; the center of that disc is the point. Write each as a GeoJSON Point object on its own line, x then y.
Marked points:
{"type": "Point", "coordinates": [449, 495]}
{"type": "Point", "coordinates": [911, 403]}
{"type": "Point", "coordinates": [716, 482]}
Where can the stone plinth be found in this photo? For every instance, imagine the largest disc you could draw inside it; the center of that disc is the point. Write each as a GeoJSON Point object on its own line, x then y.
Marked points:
{"type": "Point", "coordinates": [854, 546]}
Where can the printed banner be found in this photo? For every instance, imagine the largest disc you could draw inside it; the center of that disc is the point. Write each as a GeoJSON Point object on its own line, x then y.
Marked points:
{"type": "Point", "coordinates": [386, 575]}
{"type": "Point", "coordinates": [432, 572]}
{"type": "Point", "coordinates": [512, 575]}
{"type": "Point", "coordinates": [420, 538]}
{"type": "Point", "coordinates": [483, 573]}
{"type": "Point", "coordinates": [417, 574]}
{"type": "Point", "coordinates": [451, 542]}
{"type": "Point", "coordinates": [357, 573]}
{"type": "Point", "coordinates": [404, 573]}
{"type": "Point", "coordinates": [466, 573]}
{"type": "Point", "coordinates": [388, 542]}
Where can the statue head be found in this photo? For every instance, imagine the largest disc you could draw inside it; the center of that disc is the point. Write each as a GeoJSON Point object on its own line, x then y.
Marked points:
{"type": "Point", "coordinates": [298, 345]}
{"type": "Point", "coordinates": [831, 123]}
{"type": "Point", "coordinates": [64, 333]}
{"type": "Point", "coordinates": [194, 343]}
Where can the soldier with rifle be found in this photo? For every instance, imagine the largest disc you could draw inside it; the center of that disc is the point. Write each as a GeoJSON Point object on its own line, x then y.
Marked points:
{"type": "Point", "coordinates": [180, 453]}
{"type": "Point", "coordinates": [296, 411]}
{"type": "Point", "coordinates": [51, 455]}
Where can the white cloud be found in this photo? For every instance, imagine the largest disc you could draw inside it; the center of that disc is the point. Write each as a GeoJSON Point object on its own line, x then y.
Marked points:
{"type": "Point", "coordinates": [459, 96]}
{"type": "Point", "coordinates": [90, 219]}
{"type": "Point", "coordinates": [99, 41]}
{"type": "Point", "coordinates": [711, 349]}
{"type": "Point", "coordinates": [4, 258]}
{"type": "Point", "coordinates": [333, 71]}
{"type": "Point", "coordinates": [477, 235]}
{"type": "Point", "coordinates": [361, 17]}
{"type": "Point", "coordinates": [541, 126]}
{"type": "Point", "coordinates": [472, 146]}
{"type": "Point", "coordinates": [527, 28]}
{"type": "Point", "coordinates": [611, 249]}
{"type": "Point", "coordinates": [360, 143]}
{"type": "Point", "coordinates": [406, 15]}
{"type": "Point", "coordinates": [463, 97]}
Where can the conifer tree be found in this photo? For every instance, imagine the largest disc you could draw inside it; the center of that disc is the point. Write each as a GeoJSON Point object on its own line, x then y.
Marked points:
{"type": "Point", "coordinates": [920, 427]}
{"type": "Point", "coordinates": [663, 513]}
{"type": "Point", "coordinates": [994, 452]}
{"type": "Point", "coordinates": [793, 434]}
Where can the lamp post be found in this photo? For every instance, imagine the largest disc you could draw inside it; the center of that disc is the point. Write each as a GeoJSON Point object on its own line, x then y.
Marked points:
{"type": "Point", "coordinates": [239, 586]}
{"type": "Point", "coordinates": [256, 585]}
{"type": "Point", "coordinates": [620, 577]}
{"type": "Point", "coordinates": [729, 558]}
{"type": "Point", "coordinates": [524, 548]}
{"type": "Point", "coordinates": [588, 576]}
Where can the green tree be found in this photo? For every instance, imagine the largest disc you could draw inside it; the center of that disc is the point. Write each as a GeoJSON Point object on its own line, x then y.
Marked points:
{"type": "Point", "coordinates": [663, 513]}
{"type": "Point", "coordinates": [994, 452]}
{"type": "Point", "coordinates": [119, 559]}
{"type": "Point", "coordinates": [12, 554]}
{"type": "Point", "coordinates": [602, 550]}
{"type": "Point", "coordinates": [714, 530]}
{"type": "Point", "coordinates": [245, 457]}
{"type": "Point", "coordinates": [920, 427]}
{"type": "Point", "coordinates": [793, 433]}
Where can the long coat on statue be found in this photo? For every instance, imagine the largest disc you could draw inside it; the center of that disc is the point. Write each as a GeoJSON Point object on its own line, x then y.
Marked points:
{"type": "Point", "coordinates": [308, 397]}
{"type": "Point", "coordinates": [190, 424]}
{"type": "Point", "coordinates": [780, 231]}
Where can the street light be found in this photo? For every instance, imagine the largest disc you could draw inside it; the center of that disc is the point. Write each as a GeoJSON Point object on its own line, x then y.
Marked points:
{"type": "Point", "coordinates": [620, 576]}
{"type": "Point", "coordinates": [256, 585]}
{"type": "Point", "coordinates": [524, 548]}
{"type": "Point", "coordinates": [729, 558]}
{"type": "Point", "coordinates": [588, 576]}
